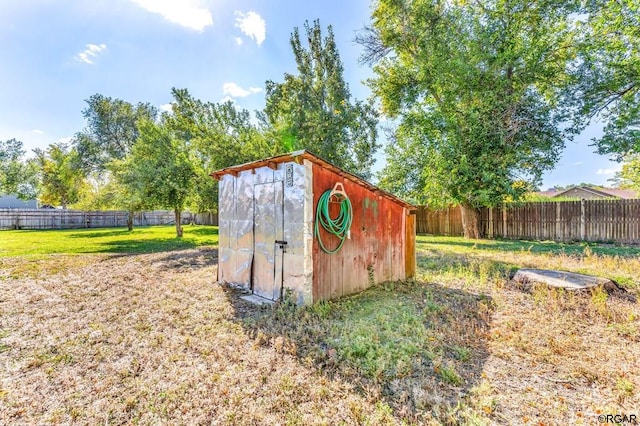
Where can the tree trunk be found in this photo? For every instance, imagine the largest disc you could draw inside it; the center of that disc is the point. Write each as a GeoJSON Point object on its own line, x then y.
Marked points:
{"type": "Point", "coordinates": [178, 214]}
{"type": "Point", "coordinates": [130, 220]}
{"type": "Point", "coordinates": [470, 221]}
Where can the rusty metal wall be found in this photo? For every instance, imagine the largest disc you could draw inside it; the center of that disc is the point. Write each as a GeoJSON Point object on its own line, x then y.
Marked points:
{"type": "Point", "coordinates": [376, 251]}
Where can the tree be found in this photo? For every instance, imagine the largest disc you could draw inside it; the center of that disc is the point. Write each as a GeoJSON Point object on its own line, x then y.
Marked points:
{"type": "Point", "coordinates": [159, 170]}
{"type": "Point", "coordinates": [606, 78]}
{"type": "Point", "coordinates": [313, 110]}
{"type": "Point", "coordinates": [17, 175]}
{"type": "Point", "coordinates": [629, 175]}
{"type": "Point", "coordinates": [108, 138]}
{"type": "Point", "coordinates": [218, 135]}
{"type": "Point", "coordinates": [11, 153]}
{"type": "Point", "coordinates": [476, 87]}
{"type": "Point", "coordinates": [111, 130]}
{"type": "Point", "coordinates": [61, 180]}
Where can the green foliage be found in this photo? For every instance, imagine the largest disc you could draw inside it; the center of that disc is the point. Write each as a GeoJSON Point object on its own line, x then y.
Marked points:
{"type": "Point", "coordinates": [62, 181]}
{"type": "Point", "coordinates": [159, 171]}
{"type": "Point", "coordinates": [150, 239]}
{"type": "Point", "coordinates": [475, 87]}
{"type": "Point", "coordinates": [606, 82]}
{"type": "Point", "coordinates": [218, 135]}
{"type": "Point", "coordinates": [17, 176]}
{"type": "Point", "coordinates": [629, 176]}
{"type": "Point", "coordinates": [111, 131]}
{"type": "Point", "coordinates": [313, 109]}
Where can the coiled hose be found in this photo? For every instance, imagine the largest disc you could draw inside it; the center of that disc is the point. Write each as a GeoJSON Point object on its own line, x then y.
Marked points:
{"type": "Point", "coordinates": [340, 226]}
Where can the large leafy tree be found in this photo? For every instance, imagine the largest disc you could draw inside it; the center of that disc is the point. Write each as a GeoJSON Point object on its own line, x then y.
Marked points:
{"type": "Point", "coordinates": [218, 136]}
{"type": "Point", "coordinates": [17, 175]}
{"type": "Point", "coordinates": [629, 175]}
{"type": "Point", "coordinates": [606, 83]}
{"type": "Point", "coordinates": [111, 130]}
{"type": "Point", "coordinates": [62, 181]}
{"type": "Point", "coordinates": [314, 110]}
{"type": "Point", "coordinates": [159, 171]}
{"type": "Point", "coordinates": [108, 138]}
{"type": "Point", "coordinates": [475, 87]}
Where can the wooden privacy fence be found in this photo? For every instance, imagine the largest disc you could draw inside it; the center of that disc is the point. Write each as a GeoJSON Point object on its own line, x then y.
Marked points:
{"type": "Point", "coordinates": [73, 219]}
{"type": "Point", "coordinates": [585, 220]}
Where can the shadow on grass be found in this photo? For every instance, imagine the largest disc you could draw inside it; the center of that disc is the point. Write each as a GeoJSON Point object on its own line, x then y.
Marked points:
{"type": "Point", "coordinates": [189, 259]}
{"type": "Point", "coordinates": [147, 246]}
{"type": "Point", "coordinates": [472, 268]}
{"type": "Point", "coordinates": [100, 234]}
{"type": "Point", "coordinates": [577, 248]}
{"type": "Point", "coordinates": [201, 229]}
{"type": "Point", "coordinates": [418, 347]}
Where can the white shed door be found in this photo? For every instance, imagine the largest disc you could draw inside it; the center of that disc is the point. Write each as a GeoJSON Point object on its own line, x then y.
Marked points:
{"type": "Point", "coordinates": [268, 228]}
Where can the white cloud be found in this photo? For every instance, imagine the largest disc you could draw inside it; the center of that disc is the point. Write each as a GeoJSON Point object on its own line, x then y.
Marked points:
{"type": "Point", "coordinates": [166, 107]}
{"type": "Point", "coordinates": [38, 131]}
{"type": "Point", "coordinates": [609, 171]}
{"type": "Point", "coordinates": [252, 25]}
{"type": "Point", "coordinates": [239, 41]}
{"type": "Point", "coordinates": [235, 91]}
{"type": "Point", "coordinates": [182, 12]}
{"type": "Point", "coordinates": [577, 163]}
{"type": "Point", "coordinates": [90, 53]}
{"type": "Point", "coordinates": [227, 99]}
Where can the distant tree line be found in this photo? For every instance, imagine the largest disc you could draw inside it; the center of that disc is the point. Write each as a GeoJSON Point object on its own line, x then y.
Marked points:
{"type": "Point", "coordinates": [130, 156]}
{"type": "Point", "coordinates": [480, 98]}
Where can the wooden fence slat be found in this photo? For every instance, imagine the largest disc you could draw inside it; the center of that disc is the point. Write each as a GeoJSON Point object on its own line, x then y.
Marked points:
{"type": "Point", "coordinates": [587, 220]}
{"type": "Point", "coordinates": [75, 219]}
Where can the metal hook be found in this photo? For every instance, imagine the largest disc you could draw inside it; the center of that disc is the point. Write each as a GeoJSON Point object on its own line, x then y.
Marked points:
{"type": "Point", "coordinates": [338, 189]}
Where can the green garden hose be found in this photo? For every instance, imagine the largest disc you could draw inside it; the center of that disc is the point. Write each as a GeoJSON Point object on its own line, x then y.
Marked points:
{"type": "Point", "coordinates": [340, 226]}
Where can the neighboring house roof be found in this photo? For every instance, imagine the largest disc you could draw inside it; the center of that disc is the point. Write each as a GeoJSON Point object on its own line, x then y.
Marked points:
{"type": "Point", "coordinates": [298, 156]}
{"type": "Point", "coordinates": [597, 192]}
{"type": "Point", "coordinates": [620, 193]}
{"type": "Point", "coordinates": [13, 202]}
{"type": "Point", "coordinates": [548, 193]}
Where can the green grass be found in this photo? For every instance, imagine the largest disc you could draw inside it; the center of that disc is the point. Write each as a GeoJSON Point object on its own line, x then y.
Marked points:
{"type": "Point", "coordinates": [460, 245]}
{"type": "Point", "coordinates": [420, 342]}
{"type": "Point", "coordinates": [109, 240]}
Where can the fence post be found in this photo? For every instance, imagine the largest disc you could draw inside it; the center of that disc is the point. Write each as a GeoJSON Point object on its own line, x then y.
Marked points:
{"type": "Point", "coordinates": [447, 225]}
{"type": "Point", "coordinates": [583, 221]}
{"type": "Point", "coordinates": [558, 224]}
{"type": "Point", "coordinates": [490, 222]}
{"type": "Point", "coordinates": [504, 221]}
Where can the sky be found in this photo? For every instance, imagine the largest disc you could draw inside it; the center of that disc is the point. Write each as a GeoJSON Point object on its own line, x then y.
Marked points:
{"type": "Point", "coordinates": [55, 54]}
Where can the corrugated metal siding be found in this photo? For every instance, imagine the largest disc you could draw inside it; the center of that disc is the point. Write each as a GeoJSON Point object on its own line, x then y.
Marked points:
{"type": "Point", "coordinates": [376, 251]}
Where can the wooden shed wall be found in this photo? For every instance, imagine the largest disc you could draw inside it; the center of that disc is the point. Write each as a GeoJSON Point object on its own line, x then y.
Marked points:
{"type": "Point", "coordinates": [376, 251]}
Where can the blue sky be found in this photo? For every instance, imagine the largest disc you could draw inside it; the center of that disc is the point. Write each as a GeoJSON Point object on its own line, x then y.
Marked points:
{"type": "Point", "coordinates": [54, 54]}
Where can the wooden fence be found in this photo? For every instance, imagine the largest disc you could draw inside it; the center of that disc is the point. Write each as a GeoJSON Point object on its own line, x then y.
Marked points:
{"type": "Point", "coordinates": [585, 220]}
{"type": "Point", "coordinates": [73, 219]}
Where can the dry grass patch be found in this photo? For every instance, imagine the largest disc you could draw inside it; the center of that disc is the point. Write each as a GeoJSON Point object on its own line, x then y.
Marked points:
{"type": "Point", "coordinates": [557, 357]}
{"type": "Point", "coordinates": [149, 339]}
{"type": "Point", "coordinates": [419, 348]}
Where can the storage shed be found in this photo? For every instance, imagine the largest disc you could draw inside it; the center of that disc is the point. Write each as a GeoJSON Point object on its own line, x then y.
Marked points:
{"type": "Point", "coordinates": [272, 237]}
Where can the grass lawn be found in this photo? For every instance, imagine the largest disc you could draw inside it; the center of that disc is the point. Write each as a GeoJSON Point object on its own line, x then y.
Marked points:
{"type": "Point", "coordinates": [147, 338]}
{"type": "Point", "coordinates": [148, 239]}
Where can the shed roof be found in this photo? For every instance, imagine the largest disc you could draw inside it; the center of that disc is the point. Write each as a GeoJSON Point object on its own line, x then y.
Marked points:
{"type": "Point", "coordinates": [298, 156]}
